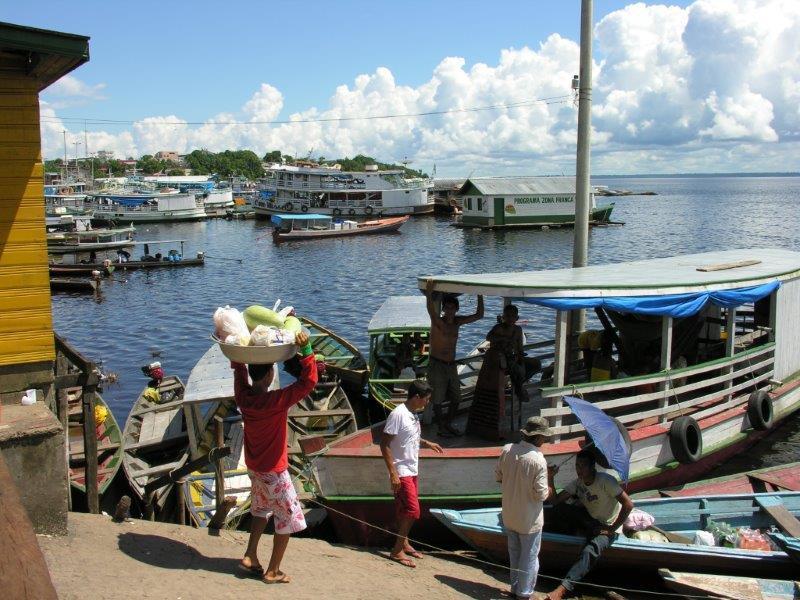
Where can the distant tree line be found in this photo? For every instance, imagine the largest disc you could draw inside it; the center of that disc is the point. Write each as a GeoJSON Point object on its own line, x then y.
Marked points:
{"type": "Point", "coordinates": [243, 163]}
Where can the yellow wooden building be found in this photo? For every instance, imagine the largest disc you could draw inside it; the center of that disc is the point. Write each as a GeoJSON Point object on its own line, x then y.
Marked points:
{"type": "Point", "coordinates": [30, 60]}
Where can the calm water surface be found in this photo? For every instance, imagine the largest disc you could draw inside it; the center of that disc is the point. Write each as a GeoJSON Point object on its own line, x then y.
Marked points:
{"type": "Point", "coordinates": [341, 283]}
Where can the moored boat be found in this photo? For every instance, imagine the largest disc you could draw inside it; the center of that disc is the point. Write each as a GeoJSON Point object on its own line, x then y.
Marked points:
{"type": "Point", "coordinates": [342, 358]}
{"type": "Point", "coordinates": [482, 530]}
{"type": "Point", "coordinates": [74, 284]}
{"type": "Point", "coordinates": [728, 314]}
{"type": "Point", "coordinates": [155, 439]}
{"type": "Point", "coordinates": [730, 586]}
{"type": "Point", "coordinates": [109, 443]}
{"type": "Point", "coordinates": [328, 191]}
{"type": "Point", "coordinates": [315, 226]}
{"type": "Point", "coordinates": [145, 207]}
{"type": "Point", "coordinates": [91, 240]}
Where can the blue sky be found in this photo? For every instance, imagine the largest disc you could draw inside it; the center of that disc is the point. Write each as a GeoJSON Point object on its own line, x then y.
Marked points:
{"type": "Point", "coordinates": [660, 88]}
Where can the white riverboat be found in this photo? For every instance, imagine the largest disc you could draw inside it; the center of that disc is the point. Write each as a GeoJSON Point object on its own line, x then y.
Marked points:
{"type": "Point", "coordinates": [708, 364]}
{"type": "Point", "coordinates": [217, 201]}
{"type": "Point", "coordinates": [329, 191]}
{"type": "Point", "coordinates": [63, 200]}
{"type": "Point", "coordinates": [90, 240]}
{"type": "Point", "coordinates": [136, 206]}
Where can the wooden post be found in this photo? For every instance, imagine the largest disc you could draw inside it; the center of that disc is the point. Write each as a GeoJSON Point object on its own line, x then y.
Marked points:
{"type": "Point", "coordinates": [150, 506]}
{"type": "Point", "coordinates": [62, 406]}
{"type": "Point", "coordinates": [773, 314]}
{"type": "Point", "coordinates": [219, 467]}
{"type": "Point", "coordinates": [666, 363]}
{"type": "Point", "coordinates": [560, 363]}
{"type": "Point", "coordinates": [181, 502]}
{"type": "Point", "coordinates": [90, 446]}
{"type": "Point", "coordinates": [730, 344]}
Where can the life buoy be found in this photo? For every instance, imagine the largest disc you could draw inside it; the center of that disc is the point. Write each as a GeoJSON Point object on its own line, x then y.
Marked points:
{"type": "Point", "coordinates": [304, 208]}
{"type": "Point", "coordinates": [759, 410]}
{"type": "Point", "coordinates": [686, 440]}
{"type": "Point", "coordinates": [368, 210]}
{"type": "Point", "coordinates": [352, 212]}
{"type": "Point", "coordinates": [337, 212]}
{"type": "Point", "coordinates": [288, 206]}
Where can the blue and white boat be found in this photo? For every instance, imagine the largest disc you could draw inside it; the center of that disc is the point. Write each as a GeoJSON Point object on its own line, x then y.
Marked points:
{"type": "Point", "coordinates": [142, 206]}
{"type": "Point", "coordinates": [482, 529]}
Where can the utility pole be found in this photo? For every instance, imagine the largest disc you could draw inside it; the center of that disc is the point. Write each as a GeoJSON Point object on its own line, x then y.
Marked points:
{"type": "Point", "coordinates": [580, 251]}
{"type": "Point", "coordinates": [64, 174]}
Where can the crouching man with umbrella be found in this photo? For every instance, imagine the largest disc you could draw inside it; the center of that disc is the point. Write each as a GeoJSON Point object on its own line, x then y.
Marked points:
{"type": "Point", "coordinates": [601, 504]}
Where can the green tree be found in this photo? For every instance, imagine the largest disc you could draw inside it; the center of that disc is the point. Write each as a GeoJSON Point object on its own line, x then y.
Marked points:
{"type": "Point", "coordinates": [273, 157]}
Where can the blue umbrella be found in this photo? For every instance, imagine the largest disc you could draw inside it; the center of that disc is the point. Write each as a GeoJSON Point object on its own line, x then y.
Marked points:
{"type": "Point", "coordinates": [608, 435]}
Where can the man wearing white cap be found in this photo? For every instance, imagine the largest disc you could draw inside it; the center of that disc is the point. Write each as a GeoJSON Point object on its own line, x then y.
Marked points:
{"type": "Point", "coordinates": [526, 483]}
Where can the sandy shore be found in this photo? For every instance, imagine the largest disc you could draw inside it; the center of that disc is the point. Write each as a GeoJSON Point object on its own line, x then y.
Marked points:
{"type": "Point", "coordinates": [139, 559]}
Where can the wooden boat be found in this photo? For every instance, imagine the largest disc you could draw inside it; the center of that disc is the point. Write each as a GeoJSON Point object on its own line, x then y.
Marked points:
{"type": "Point", "coordinates": [74, 284]}
{"type": "Point", "coordinates": [740, 383]}
{"type": "Point", "coordinates": [326, 413]}
{"type": "Point", "coordinates": [314, 226]}
{"type": "Point", "coordinates": [782, 478]}
{"type": "Point", "coordinates": [729, 586]}
{"type": "Point", "coordinates": [482, 530]}
{"type": "Point", "coordinates": [342, 358]}
{"type": "Point", "coordinates": [155, 440]}
{"type": "Point", "coordinates": [91, 240]}
{"type": "Point", "coordinates": [109, 443]}
{"type": "Point", "coordinates": [80, 270]}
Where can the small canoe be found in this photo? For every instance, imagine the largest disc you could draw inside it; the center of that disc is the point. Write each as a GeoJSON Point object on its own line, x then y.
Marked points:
{"type": "Point", "coordinates": [74, 284]}
{"type": "Point", "coordinates": [782, 478]}
{"type": "Point", "coordinates": [729, 586]}
{"type": "Point", "coordinates": [109, 446]}
{"type": "Point", "coordinates": [155, 440]}
{"type": "Point", "coordinates": [482, 529]}
{"type": "Point", "coordinates": [326, 412]}
{"type": "Point", "coordinates": [80, 270]}
{"type": "Point", "coordinates": [342, 358]}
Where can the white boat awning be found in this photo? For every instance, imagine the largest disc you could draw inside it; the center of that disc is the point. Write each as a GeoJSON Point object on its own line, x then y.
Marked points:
{"type": "Point", "coordinates": [400, 313]}
{"type": "Point", "coordinates": [674, 275]}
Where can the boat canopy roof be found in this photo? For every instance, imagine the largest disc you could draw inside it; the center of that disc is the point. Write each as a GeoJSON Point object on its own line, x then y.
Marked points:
{"type": "Point", "coordinates": [278, 219]}
{"type": "Point", "coordinates": [535, 186]}
{"type": "Point", "coordinates": [400, 313]}
{"type": "Point", "coordinates": [692, 273]}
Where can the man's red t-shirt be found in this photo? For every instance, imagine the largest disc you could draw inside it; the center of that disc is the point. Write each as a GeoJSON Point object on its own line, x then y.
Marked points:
{"type": "Point", "coordinates": [265, 416]}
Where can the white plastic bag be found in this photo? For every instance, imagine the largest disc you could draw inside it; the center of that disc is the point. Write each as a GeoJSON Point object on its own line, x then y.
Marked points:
{"type": "Point", "coordinates": [264, 335]}
{"type": "Point", "coordinates": [703, 538]}
{"type": "Point", "coordinates": [229, 321]}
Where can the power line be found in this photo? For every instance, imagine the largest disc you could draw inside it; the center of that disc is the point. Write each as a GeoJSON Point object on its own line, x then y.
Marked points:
{"type": "Point", "coordinates": [550, 100]}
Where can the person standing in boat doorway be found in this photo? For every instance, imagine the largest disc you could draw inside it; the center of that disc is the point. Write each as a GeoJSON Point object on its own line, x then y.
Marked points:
{"type": "Point", "coordinates": [442, 368]}
{"type": "Point", "coordinates": [400, 446]}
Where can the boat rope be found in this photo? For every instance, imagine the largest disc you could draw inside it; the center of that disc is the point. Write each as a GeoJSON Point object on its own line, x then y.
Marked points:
{"type": "Point", "coordinates": [443, 551]}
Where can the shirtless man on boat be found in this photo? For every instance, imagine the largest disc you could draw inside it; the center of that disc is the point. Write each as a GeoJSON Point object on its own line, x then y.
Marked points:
{"type": "Point", "coordinates": [442, 369]}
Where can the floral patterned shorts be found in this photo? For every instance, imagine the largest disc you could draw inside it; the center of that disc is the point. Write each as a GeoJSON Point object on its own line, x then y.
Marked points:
{"type": "Point", "coordinates": [273, 493]}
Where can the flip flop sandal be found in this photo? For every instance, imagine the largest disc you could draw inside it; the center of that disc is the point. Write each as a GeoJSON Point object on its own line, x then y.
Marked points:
{"type": "Point", "coordinates": [406, 562]}
{"type": "Point", "coordinates": [250, 571]}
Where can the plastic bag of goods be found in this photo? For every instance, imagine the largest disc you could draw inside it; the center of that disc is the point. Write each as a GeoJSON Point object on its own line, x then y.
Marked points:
{"type": "Point", "coordinates": [650, 535]}
{"type": "Point", "coordinates": [229, 322]}
{"type": "Point", "coordinates": [264, 335]}
{"type": "Point", "coordinates": [703, 538]}
{"type": "Point", "coordinates": [638, 520]}
{"type": "Point", "coordinates": [752, 539]}
{"type": "Point", "coordinates": [724, 534]}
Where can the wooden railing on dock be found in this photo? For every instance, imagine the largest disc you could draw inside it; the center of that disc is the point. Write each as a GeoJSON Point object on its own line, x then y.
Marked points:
{"type": "Point", "coordinates": [23, 570]}
{"type": "Point", "coordinates": [72, 370]}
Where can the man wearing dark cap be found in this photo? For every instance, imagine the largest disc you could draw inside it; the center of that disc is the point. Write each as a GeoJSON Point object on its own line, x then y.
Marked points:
{"type": "Point", "coordinates": [526, 483]}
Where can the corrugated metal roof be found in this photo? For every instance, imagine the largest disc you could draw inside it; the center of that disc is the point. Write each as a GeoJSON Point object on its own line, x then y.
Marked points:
{"type": "Point", "coordinates": [488, 186]}
{"type": "Point", "coordinates": [676, 274]}
{"type": "Point", "coordinates": [399, 313]}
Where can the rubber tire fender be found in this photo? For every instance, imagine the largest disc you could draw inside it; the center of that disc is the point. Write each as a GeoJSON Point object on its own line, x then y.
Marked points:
{"type": "Point", "coordinates": [288, 207]}
{"type": "Point", "coordinates": [352, 212]}
{"type": "Point", "coordinates": [759, 410]}
{"type": "Point", "coordinates": [686, 440]}
{"type": "Point", "coordinates": [368, 210]}
{"type": "Point", "coordinates": [337, 212]}
{"type": "Point", "coordinates": [304, 208]}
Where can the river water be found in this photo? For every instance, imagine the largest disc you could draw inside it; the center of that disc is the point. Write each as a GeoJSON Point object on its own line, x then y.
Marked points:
{"type": "Point", "coordinates": [168, 313]}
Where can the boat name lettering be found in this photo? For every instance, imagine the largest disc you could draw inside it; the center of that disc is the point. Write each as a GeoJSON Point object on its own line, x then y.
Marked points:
{"type": "Point", "coordinates": [543, 199]}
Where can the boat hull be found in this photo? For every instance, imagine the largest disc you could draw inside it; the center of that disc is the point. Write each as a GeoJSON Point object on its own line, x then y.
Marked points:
{"type": "Point", "coordinates": [352, 473]}
{"type": "Point", "coordinates": [598, 216]}
{"type": "Point", "coordinates": [390, 226]}
{"type": "Point", "coordinates": [198, 214]}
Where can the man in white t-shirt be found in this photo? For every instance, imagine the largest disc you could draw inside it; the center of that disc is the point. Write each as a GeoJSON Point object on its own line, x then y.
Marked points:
{"type": "Point", "coordinates": [526, 484]}
{"type": "Point", "coordinates": [605, 506]}
{"type": "Point", "coordinates": [400, 446]}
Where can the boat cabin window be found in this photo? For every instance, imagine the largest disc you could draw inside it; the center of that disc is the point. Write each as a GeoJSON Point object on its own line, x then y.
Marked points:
{"type": "Point", "coordinates": [480, 204]}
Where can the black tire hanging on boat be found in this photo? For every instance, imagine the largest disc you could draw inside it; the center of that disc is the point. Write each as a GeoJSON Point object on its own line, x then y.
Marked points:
{"type": "Point", "coordinates": [352, 212]}
{"type": "Point", "coordinates": [288, 206]}
{"type": "Point", "coordinates": [304, 208]}
{"type": "Point", "coordinates": [337, 212]}
{"type": "Point", "coordinates": [686, 440]}
{"type": "Point", "coordinates": [759, 410]}
{"type": "Point", "coordinates": [368, 210]}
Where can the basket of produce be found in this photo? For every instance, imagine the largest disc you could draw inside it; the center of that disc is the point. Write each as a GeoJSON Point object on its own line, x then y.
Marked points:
{"type": "Point", "coordinates": [257, 336]}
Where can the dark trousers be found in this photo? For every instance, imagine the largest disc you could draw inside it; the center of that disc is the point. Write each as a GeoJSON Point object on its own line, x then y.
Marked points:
{"type": "Point", "coordinates": [574, 520]}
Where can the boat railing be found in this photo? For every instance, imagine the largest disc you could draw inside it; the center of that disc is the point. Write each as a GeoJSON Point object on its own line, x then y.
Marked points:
{"type": "Point", "coordinates": [698, 387]}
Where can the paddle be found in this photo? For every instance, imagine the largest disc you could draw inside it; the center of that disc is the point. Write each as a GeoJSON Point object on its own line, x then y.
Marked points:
{"type": "Point", "coordinates": [773, 506]}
